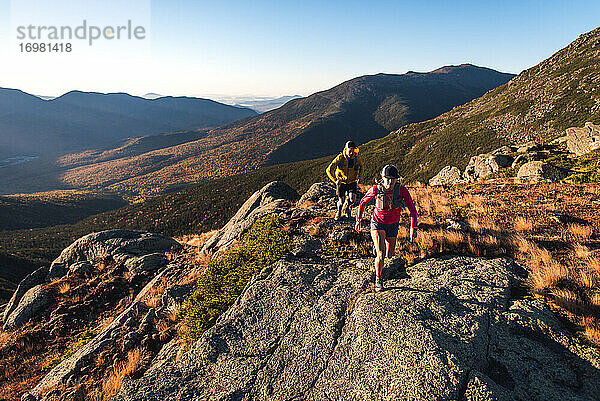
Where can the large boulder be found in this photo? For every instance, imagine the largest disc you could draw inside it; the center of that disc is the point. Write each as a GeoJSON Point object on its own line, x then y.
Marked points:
{"type": "Point", "coordinates": [485, 164]}
{"type": "Point", "coordinates": [120, 244]}
{"type": "Point", "coordinates": [583, 140]}
{"type": "Point", "coordinates": [320, 194]}
{"type": "Point", "coordinates": [449, 175]}
{"type": "Point", "coordinates": [146, 263]}
{"type": "Point", "coordinates": [445, 329]}
{"type": "Point", "coordinates": [266, 201]}
{"type": "Point", "coordinates": [541, 171]}
{"type": "Point", "coordinates": [30, 304]}
{"type": "Point", "coordinates": [31, 280]}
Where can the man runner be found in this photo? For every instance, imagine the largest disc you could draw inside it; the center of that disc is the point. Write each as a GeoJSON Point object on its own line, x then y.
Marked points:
{"type": "Point", "coordinates": [346, 170]}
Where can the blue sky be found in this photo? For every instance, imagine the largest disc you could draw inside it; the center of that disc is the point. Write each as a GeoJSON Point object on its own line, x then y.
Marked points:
{"type": "Point", "coordinates": [273, 48]}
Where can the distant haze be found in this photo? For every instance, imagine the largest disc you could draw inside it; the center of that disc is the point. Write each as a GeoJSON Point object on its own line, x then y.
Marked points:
{"type": "Point", "coordinates": [283, 48]}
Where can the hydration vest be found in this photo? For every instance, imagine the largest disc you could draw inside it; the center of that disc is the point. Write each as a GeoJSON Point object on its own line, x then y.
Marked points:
{"type": "Point", "coordinates": [382, 201]}
{"type": "Point", "coordinates": [345, 163]}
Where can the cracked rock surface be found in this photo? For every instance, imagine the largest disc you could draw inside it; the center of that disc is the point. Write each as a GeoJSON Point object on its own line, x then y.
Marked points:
{"type": "Point", "coordinates": [444, 329]}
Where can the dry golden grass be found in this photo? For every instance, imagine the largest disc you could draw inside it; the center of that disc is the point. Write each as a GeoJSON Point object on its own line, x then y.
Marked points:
{"type": "Point", "coordinates": [567, 280]}
{"type": "Point", "coordinates": [545, 271]}
{"type": "Point", "coordinates": [306, 204]}
{"type": "Point", "coordinates": [163, 327]}
{"type": "Point", "coordinates": [592, 332]}
{"type": "Point", "coordinates": [594, 264]}
{"type": "Point", "coordinates": [196, 240]}
{"type": "Point", "coordinates": [581, 251]}
{"type": "Point", "coordinates": [63, 288]}
{"type": "Point", "coordinates": [202, 258]}
{"type": "Point", "coordinates": [112, 385]}
{"type": "Point", "coordinates": [523, 224]}
{"type": "Point", "coordinates": [579, 231]}
{"type": "Point", "coordinates": [315, 231]}
{"type": "Point", "coordinates": [190, 277]}
{"type": "Point", "coordinates": [444, 211]}
{"type": "Point", "coordinates": [589, 278]}
{"type": "Point", "coordinates": [490, 240]}
{"type": "Point", "coordinates": [427, 220]}
{"type": "Point", "coordinates": [153, 302]}
{"type": "Point", "coordinates": [475, 224]}
{"type": "Point", "coordinates": [171, 315]}
{"type": "Point", "coordinates": [595, 299]}
{"type": "Point", "coordinates": [424, 204]}
{"type": "Point", "coordinates": [124, 302]}
{"type": "Point", "coordinates": [5, 338]}
{"type": "Point", "coordinates": [568, 301]}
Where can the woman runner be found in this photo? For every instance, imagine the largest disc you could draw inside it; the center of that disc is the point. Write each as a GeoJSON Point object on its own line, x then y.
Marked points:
{"type": "Point", "coordinates": [390, 198]}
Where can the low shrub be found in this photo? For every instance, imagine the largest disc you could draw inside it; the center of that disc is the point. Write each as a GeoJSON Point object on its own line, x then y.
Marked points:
{"type": "Point", "coordinates": [226, 276]}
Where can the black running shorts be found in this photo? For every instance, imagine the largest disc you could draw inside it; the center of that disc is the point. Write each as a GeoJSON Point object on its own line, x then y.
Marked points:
{"type": "Point", "coordinates": [341, 189]}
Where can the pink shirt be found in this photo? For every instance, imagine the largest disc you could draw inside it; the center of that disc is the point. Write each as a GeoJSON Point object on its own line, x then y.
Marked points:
{"type": "Point", "coordinates": [391, 215]}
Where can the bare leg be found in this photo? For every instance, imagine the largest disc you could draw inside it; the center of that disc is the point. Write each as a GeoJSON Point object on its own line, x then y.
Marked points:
{"type": "Point", "coordinates": [352, 196]}
{"type": "Point", "coordinates": [379, 241]}
{"type": "Point", "coordinates": [345, 207]}
{"type": "Point", "coordinates": [391, 246]}
{"type": "Point", "coordinates": [351, 200]}
{"type": "Point", "coordinates": [340, 204]}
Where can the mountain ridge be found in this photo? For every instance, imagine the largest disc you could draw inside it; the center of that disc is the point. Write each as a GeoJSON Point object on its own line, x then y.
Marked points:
{"type": "Point", "coordinates": [79, 120]}
{"type": "Point", "coordinates": [363, 108]}
{"type": "Point", "coordinates": [538, 104]}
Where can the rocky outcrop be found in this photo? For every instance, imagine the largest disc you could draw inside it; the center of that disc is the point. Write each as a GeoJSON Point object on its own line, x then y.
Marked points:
{"type": "Point", "coordinates": [70, 367]}
{"type": "Point", "coordinates": [121, 245]}
{"type": "Point", "coordinates": [309, 326]}
{"type": "Point", "coordinates": [444, 329]}
{"type": "Point", "coordinates": [83, 267]}
{"type": "Point", "coordinates": [449, 175]}
{"type": "Point", "coordinates": [319, 193]}
{"type": "Point", "coordinates": [583, 140]}
{"type": "Point", "coordinates": [125, 330]}
{"type": "Point", "coordinates": [33, 279]}
{"type": "Point", "coordinates": [149, 262]}
{"type": "Point", "coordinates": [479, 167]}
{"type": "Point", "coordinates": [531, 146]}
{"type": "Point", "coordinates": [118, 244]}
{"type": "Point", "coordinates": [31, 302]}
{"type": "Point", "coordinates": [264, 202]}
{"type": "Point", "coordinates": [483, 165]}
{"type": "Point", "coordinates": [541, 171]}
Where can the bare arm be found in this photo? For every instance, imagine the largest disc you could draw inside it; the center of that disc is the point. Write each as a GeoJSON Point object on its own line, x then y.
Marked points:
{"type": "Point", "coordinates": [413, 210]}
{"type": "Point", "coordinates": [371, 193]}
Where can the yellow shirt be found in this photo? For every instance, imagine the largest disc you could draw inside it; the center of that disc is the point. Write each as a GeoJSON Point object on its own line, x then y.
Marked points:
{"type": "Point", "coordinates": [339, 169]}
